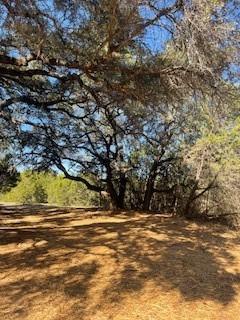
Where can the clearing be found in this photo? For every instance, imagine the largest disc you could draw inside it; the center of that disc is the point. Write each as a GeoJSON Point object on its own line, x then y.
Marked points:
{"type": "Point", "coordinates": [79, 264]}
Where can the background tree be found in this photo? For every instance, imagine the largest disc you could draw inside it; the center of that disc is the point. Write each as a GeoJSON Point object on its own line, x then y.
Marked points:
{"type": "Point", "coordinates": [48, 187]}
{"type": "Point", "coordinates": [214, 171]}
{"type": "Point", "coordinates": [8, 174]}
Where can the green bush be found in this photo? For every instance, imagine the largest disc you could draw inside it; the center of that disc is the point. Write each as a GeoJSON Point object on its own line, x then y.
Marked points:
{"type": "Point", "coordinates": [49, 188]}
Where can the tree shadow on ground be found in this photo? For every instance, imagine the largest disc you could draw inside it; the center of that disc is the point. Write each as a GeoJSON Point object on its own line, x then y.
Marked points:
{"type": "Point", "coordinates": [96, 259]}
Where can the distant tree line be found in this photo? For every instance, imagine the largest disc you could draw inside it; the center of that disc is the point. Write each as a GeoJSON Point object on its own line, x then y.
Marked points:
{"type": "Point", "coordinates": [47, 187]}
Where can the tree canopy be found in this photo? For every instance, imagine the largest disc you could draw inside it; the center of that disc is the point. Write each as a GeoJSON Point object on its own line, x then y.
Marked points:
{"type": "Point", "coordinates": [117, 95]}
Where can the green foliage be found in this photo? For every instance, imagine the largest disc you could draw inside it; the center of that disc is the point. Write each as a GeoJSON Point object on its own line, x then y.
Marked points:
{"type": "Point", "coordinates": [29, 190]}
{"type": "Point", "coordinates": [49, 188]}
{"type": "Point", "coordinates": [8, 174]}
{"type": "Point", "coordinates": [67, 192]}
{"type": "Point", "coordinates": [214, 170]}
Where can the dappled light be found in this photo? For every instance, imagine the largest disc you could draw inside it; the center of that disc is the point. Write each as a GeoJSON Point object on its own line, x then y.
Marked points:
{"type": "Point", "coordinates": [73, 263]}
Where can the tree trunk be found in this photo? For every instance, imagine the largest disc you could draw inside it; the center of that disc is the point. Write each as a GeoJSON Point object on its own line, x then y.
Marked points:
{"type": "Point", "coordinates": [192, 196]}
{"type": "Point", "coordinates": [122, 190]}
{"type": "Point", "coordinates": [150, 186]}
{"type": "Point", "coordinates": [113, 195]}
{"type": "Point", "coordinates": [117, 199]}
{"type": "Point", "coordinates": [187, 211]}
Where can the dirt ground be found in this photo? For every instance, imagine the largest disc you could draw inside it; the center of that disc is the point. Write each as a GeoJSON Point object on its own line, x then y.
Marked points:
{"type": "Point", "coordinates": [79, 264]}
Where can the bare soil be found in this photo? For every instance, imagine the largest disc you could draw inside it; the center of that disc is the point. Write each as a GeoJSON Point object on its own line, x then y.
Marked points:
{"type": "Point", "coordinates": [83, 264]}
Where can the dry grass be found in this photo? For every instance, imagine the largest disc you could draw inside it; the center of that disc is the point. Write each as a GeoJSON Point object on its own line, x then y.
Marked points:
{"type": "Point", "coordinates": [88, 265]}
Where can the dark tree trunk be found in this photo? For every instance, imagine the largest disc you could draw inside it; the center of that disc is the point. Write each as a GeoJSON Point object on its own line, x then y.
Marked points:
{"type": "Point", "coordinates": [188, 207]}
{"type": "Point", "coordinates": [117, 198]}
{"type": "Point", "coordinates": [150, 186]}
{"type": "Point", "coordinates": [111, 189]}
{"type": "Point", "coordinates": [193, 196]}
{"type": "Point", "coordinates": [122, 190]}
{"type": "Point", "coordinates": [113, 195]}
